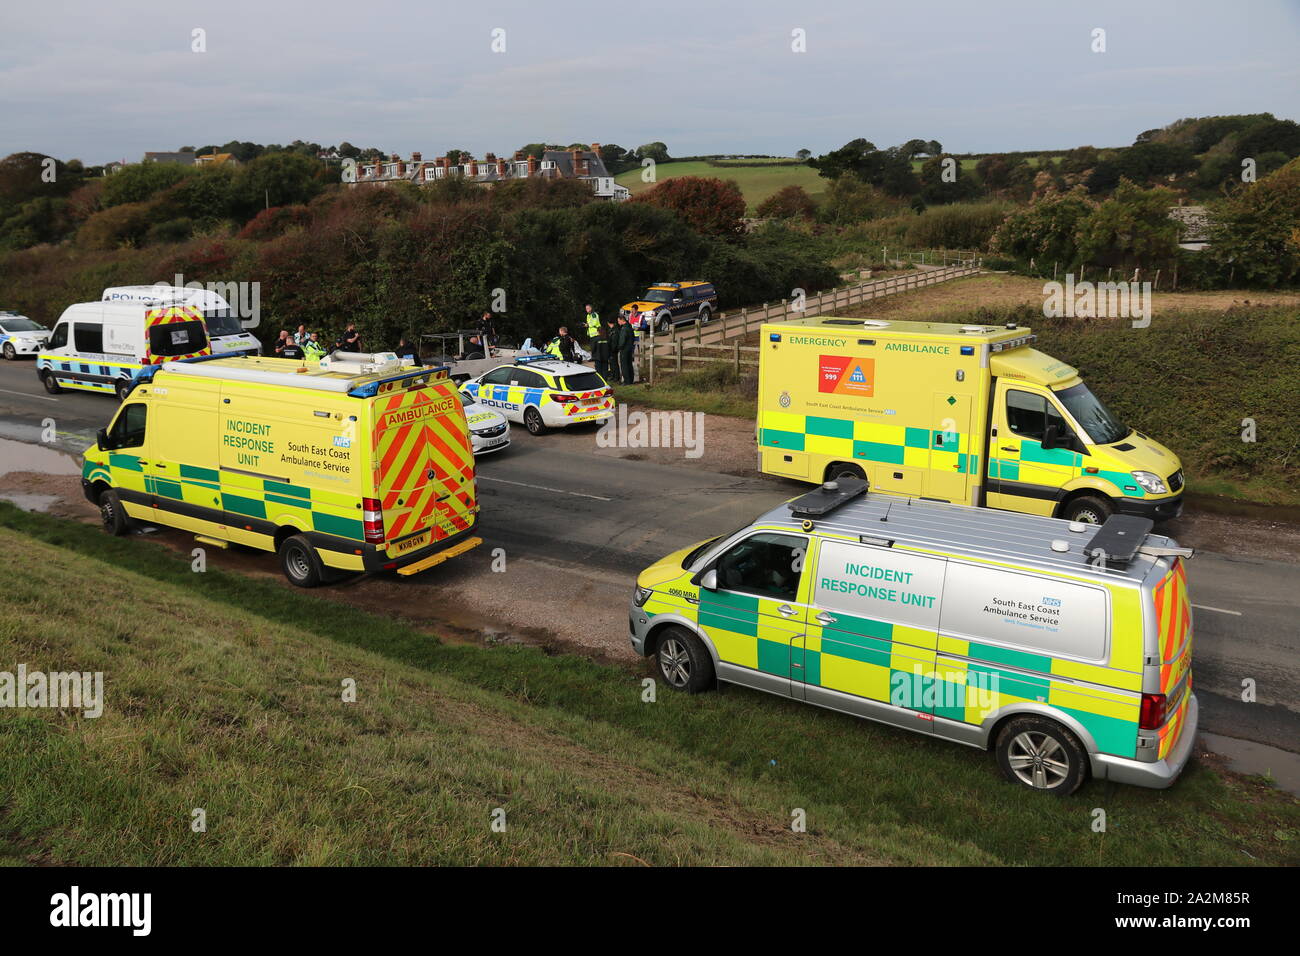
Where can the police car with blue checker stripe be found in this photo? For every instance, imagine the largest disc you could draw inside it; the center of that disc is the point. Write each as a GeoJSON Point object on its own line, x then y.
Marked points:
{"type": "Point", "coordinates": [19, 335]}
{"type": "Point", "coordinates": [542, 393]}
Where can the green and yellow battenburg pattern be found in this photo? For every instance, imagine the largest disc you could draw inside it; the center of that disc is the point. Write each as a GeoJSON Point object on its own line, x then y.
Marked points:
{"type": "Point", "coordinates": [848, 439]}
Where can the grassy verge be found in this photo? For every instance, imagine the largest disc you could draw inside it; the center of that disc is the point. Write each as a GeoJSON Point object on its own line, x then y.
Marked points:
{"type": "Point", "coordinates": [712, 388]}
{"type": "Point", "coordinates": [224, 692]}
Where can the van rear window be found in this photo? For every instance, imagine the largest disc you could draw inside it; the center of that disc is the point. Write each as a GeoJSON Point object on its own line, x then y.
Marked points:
{"type": "Point", "coordinates": [177, 338]}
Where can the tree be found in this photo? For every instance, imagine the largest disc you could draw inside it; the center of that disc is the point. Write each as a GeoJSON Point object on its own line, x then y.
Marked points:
{"type": "Point", "coordinates": [803, 154]}
{"type": "Point", "coordinates": [140, 181]}
{"type": "Point", "coordinates": [276, 179]}
{"type": "Point", "coordinates": [997, 171]}
{"type": "Point", "coordinates": [886, 169]}
{"type": "Point", "coordinates": [792, 202]}
{"type": "Point", "coordinates": [1046, 231]}
{"type": "Point", "coordinates": [23, 176]}
{"type": "Point", "coordinates": [1253, 236]}
{"type": "Point", "coordinates": [938, 190]}
{"type": "Point", "coordinates": [656, 151]}
{"type": "Point", "coordinates": [848, 199]}
{"type": "Point", "coordinates": [713, 207]}
{"type": "Point", "coordinates": [1132, 228]}
{"type": "Point", "coordinates": [348, 151]}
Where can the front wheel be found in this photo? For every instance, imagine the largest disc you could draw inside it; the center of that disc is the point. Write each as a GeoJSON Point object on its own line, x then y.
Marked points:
{"type": "Point", "coordinates": [123, 389]}
{"type": "Point", "coordinates": [1042, 755]}
{"type": "Point", "coordinates": [1089, 509]}
{"type": "Point", "coordinates": [10, 352]}
{"type": "Point", "coordinates": [112, 515]}
{"type": "Point", "coordinates": [533, 421]}
{"type": "Point", "coordinates": [665, 325]}
{"type": "Point", "coordinates": [705, 315]}
{"type": "Point", "coordinates": [300, 563]}
{"type": "Point", "coordinates": [51, 383]}
{"type": "Point", "coordinates": [684, 662]}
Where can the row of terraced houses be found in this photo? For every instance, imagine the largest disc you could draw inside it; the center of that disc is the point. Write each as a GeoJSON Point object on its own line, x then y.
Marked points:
{"type": "Point", "coordinates": [585, 165]}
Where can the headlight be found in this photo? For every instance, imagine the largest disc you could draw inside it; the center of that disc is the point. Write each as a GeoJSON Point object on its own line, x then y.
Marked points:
{"type": "Point", "coordinates": [1154, 484]}
{"type": "Point", "coordinates": [641, 595]}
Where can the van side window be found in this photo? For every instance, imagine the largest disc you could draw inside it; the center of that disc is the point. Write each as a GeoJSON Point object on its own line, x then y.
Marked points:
{"type": "Point", "coordinates": [59, 337]}
{"type": "Point", "coordinates": [1028, 415]}
{"type": "Point", "coordinates": [88, 337]}
{"type": "Point", "coordinates": [765, 564]}
{"type": "Point", "coordinates": [128, 429]}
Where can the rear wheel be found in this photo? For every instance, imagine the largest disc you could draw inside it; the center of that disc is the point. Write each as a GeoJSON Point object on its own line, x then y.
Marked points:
{"type": "Point", "coordinates": [533, 421]}
{"type": "Point", "coordinates": [684, 662]}
{"type": "Point", "coordinates": [50, 382]}
{"type": "Point", "coordinates": [300, 563]}
{"type": "Point", "coordinates": [10, 352]}
{"type": "Point", "coordinates": [1089, 509]}
{"type": "Point", "coordinates": [112, 515]}
{"type": "Point", "coordinates": [841, 469]}
{"type": "Point", "coordinates": [1042, 755]}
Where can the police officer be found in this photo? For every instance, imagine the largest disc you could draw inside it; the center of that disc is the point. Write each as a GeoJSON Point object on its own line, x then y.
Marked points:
{"type": "Point", "coordinates": [626, 346]}
{"type": "Point", "coordinates": [593, 326]}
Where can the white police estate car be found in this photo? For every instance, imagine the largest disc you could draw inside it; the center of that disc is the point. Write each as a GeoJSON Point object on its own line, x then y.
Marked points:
{"type": "Point", "coordinates": [543, 393]}
{"type": "Point", "coordinates": [488, 429]}
{"type": "Point", "coordinates": [19, 335]}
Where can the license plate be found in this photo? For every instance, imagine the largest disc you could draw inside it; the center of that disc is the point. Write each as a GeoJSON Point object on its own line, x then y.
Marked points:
{"type": "Point", "coordinates": [495, 441]}
{"type": "Point", "coordinates": [407, 545]}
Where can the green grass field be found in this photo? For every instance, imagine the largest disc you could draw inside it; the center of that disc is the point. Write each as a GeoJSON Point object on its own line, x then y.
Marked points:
{"type": "Point", "coordinates": [224, 693]}
{"type": "Point", "coordinates": [756, 182]}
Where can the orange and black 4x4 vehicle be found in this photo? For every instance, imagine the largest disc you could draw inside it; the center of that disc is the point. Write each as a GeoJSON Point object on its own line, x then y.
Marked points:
{"type": "Point", "coordinates": [667, 304]}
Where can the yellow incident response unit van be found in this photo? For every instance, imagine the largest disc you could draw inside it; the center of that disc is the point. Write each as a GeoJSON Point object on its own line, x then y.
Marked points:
{"type": "Point", "coordinates": [356, 464]}
{"type": "Point", "coordinates": [1064, 647]}
{"type": "Point", "coordinates": [970, 414]}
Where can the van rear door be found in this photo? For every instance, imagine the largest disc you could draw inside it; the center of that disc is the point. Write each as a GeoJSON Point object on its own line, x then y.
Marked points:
{"type": "Point", "coordinates": [1174, 632]}
{"type": "Point", "coordinates": [423, 461]}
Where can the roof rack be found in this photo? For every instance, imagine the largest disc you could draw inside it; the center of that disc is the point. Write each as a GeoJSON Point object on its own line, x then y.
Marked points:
{"type": "Point", "coordinates": [819, 503]}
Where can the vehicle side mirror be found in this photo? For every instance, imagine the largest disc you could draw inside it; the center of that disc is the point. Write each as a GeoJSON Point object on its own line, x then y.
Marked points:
{"type": "Point", "coordinates": [677, 298]}
{"type": "Point", "coordinates": [101, 439]}
{"type": "Point", "coordinates": [1051, 438]}
{"type": "Point", "coordinates": [709, 580]}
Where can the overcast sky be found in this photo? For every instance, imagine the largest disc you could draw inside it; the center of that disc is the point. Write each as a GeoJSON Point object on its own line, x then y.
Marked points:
{"type": "Point", "coordinates": [109, 80]}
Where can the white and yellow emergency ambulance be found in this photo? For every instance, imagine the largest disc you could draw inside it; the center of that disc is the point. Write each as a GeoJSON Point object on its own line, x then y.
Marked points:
{"type": "Point", "coordinates": [542, 393]}
{"type": "Point", "coordinates": [104, 346]}
{"type": "Point", "coordinates": [1064, 647]}
{"type": "Point", "coordinates": [355, 464]}
{"type": "Point", "coordinates": [971, 414]}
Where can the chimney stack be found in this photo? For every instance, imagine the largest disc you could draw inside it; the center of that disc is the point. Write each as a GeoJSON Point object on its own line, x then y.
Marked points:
{"type": "Point", "coordinates": [415, 157]}
{"type": "Point", "coordinates": [473, 166]}
{"type": "Point", "coordinates": [532, 164]}
{"type": "Point", "coordinates": [595, 148]}
{"type": "Point", "coordinates": [519, 156]}
{"type": "Point", "coordinates": [501, 167]}
{"type": "Point", "coordinates": [577, 163]}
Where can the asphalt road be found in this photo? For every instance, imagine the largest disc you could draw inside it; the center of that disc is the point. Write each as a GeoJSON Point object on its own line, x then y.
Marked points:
{"type": "Point", "coordinates": [577, 527]}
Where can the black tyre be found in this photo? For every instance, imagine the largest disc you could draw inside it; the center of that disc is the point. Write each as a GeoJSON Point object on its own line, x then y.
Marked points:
{"type": "Point", "coordinates": [683, 661]}
{"type": "Point", "coordinates": [1090, 509]}
{"type": "Point", "coordinates": [533, 421]}
{"type": "Point", "coordinates": [665, 324]}
{"type": "Point", "coordinates": [123, 388]}
{"type": "Point", "coordinates": [705, 315]}
{"type": "Point", "coordinates": [112, 515]}
{"type": "Point", "coordinates": [51, 383]}
{"type": "Point", "coordinates": [1041, 755]}
{"type": "Point", "coordinates": [843, 469]}
{"type": "Point", "coordinates": [10, 352]}
{"type": "Point", "coordinates": [299, 562]}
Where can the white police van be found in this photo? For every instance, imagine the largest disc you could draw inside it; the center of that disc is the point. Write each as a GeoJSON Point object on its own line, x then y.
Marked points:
{"type": "Point", "coordinates": [226, 334]}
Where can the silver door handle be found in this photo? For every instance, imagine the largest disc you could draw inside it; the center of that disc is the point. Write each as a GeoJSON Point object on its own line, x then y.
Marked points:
{"type": "Point", "coordinates": [824, 618]}
{"type": "Point", "coordinates": [785, 610]}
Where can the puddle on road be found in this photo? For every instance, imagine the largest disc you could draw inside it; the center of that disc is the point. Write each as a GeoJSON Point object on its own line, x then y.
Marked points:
{"type": "Point", "coordinates": [20, 456]}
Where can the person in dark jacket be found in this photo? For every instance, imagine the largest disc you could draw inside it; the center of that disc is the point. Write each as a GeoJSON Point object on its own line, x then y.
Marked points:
{"type": "Point", "coordinates": [612, 335]}
{"type": "Point", "coordinates": [405, 350]}
{"type": "Point", "coordinates": [350, 340]}
{"type": "Point", "coordinates": [626, 347]}
{"type": "Point", "coordinates": [568, 345]}
{"type": "Point", "coordinates": [600, 352]}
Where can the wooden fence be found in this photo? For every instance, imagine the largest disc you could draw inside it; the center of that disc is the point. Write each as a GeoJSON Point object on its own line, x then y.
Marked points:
{"type": "Point", "coordinates": [712, 342]}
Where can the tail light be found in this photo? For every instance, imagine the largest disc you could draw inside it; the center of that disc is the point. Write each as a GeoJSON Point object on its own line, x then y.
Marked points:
{"type": "Point", "coordinates": [564, 399]}
{"type": "Point", "coordinates": [1152, 716]}
{"type": "Point", "coordinates": [372, 520]}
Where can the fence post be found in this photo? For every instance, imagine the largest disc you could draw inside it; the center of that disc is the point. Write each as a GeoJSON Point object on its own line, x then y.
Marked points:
{"type": "Point", "coordinates": [735, 353]}
{"type": "Point", "coordinates": [650, 374]}
{"type": "Point", "coordinates": [678, 345]}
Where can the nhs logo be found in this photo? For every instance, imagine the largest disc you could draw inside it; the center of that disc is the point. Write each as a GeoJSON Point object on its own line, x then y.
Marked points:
{"type": "Point", "coordinates": [342, 441]}
{"type": "Point", "coordinates": [1052, 602]}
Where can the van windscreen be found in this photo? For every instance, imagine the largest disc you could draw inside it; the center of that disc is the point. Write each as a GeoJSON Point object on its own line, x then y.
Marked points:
{"type": "Point", "coordinates": [221, 322]}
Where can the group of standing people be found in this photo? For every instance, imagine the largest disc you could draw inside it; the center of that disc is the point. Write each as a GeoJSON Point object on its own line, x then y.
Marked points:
{"type": "Point", "coordinates": [307, 345]}
{"type": "Point", "coordinates": [612, 344]}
